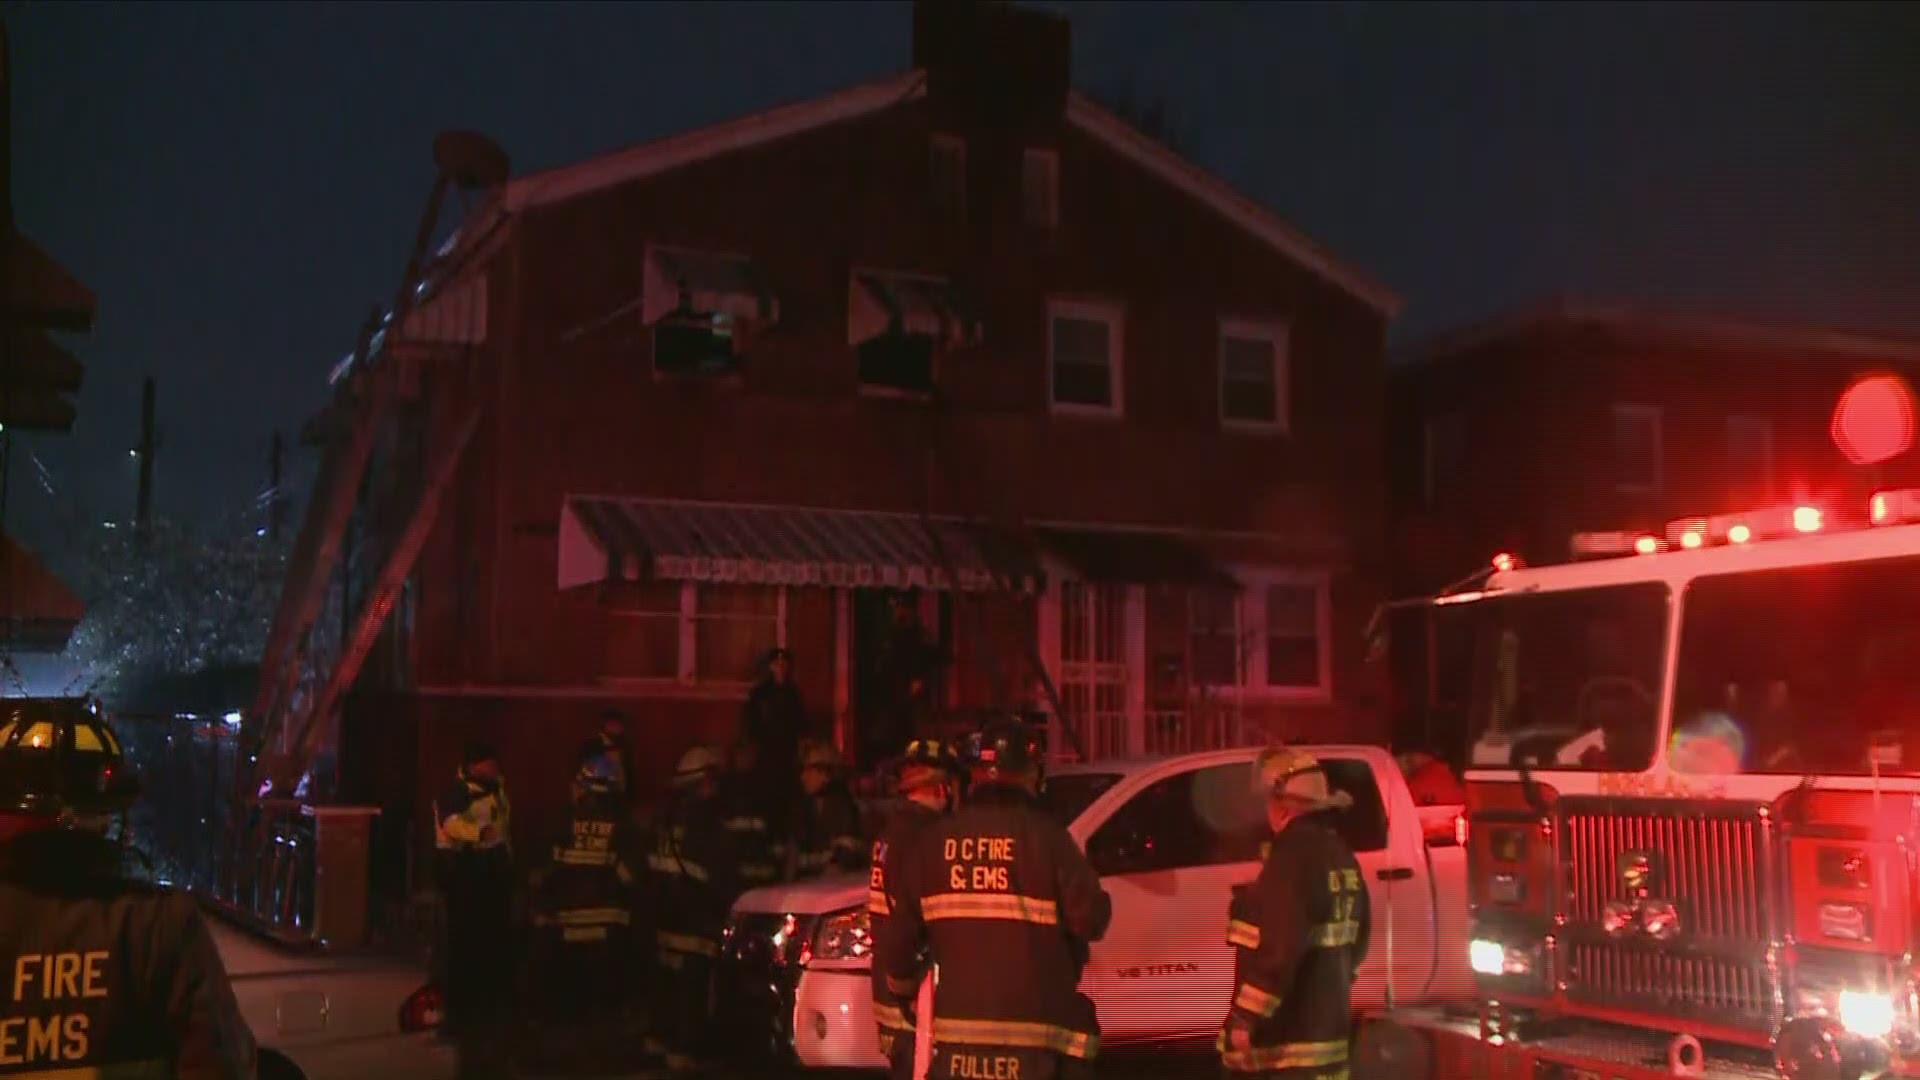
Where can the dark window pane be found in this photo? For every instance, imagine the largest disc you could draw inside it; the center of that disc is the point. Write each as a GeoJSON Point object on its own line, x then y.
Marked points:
{"type": "Point", "coordinates": [1080, 341]}
{"type": "Point", "coordinates": [693, 348]}
{"type": "Point", "coordinates": [1364, 824]}
{"type": "Point", "coordinates": [1082, 384]}
{"type": "Point", "coordinates": [1293, 662]}
{"type": "Point", "coordinates": [898, 362]}
{"type": "Point", "coordinates": [1251, 402]}
{"type": "Point", "coordinates": [1156, 830]}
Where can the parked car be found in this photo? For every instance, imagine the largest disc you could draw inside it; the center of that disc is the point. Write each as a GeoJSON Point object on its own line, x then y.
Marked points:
{"type": "Point", "coordinates": [1171, 838]}
{"type": "Point", "coordinates": [318, 1016]}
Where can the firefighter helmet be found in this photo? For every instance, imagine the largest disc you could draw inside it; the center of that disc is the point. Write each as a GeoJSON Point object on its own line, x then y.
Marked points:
{"type": "Point", "coordinates": [927, 762]}
{"type": "Point", "coordinates": [58, 758]}
{"type": "Point", "coordinates": [1291, 774]}
{"type": "Point", "coordinates": [1004, 751]}
{"type": "Point", "coordinates": [699, 763]}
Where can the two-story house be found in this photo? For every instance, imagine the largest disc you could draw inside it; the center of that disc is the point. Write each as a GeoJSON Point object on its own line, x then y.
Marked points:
{"type": "Point", "coordinates": [962, 332]}
{"type": "Point", "coordinates": [1513, 435]}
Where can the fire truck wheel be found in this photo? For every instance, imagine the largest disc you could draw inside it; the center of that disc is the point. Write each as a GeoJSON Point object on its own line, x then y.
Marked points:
{"type": "Point", "coordinates": [1389, 1050]}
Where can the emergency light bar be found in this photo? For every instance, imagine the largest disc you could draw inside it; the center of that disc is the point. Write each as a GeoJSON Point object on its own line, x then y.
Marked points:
{"type": "Point", "coordinates": [1771, 523]}
{"type": "Point", "coordinates": [1899, 507]}
{"type": "Point", "coordinates": [1590, 545]}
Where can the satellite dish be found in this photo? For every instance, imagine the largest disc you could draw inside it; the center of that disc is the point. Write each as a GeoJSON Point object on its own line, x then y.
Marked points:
{"type": "Point", "coordinates": [470, 160]}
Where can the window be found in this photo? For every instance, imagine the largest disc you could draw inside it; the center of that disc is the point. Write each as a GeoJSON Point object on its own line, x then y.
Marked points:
{"type": "Point", "coordinates": [900, 362]}
{"type": "Point", "coordinates": [1067, 796]}
{"type": "Point", "coordinates": [1294, 659]}
{"type": "Point", "coordinates": [1253, 375]}
{"type": "Point", "coordinates": [669, 630]}
{"type": "Point", "coordinates": [1445, 458]}
{"type": "Point", "coordinates": [692, 343]}
{"type": "Point", "coordinates": [1084, 357]}
{"type": "Point", "coordinates": [947, 176]}
{"type": "Point", "coordinates": [1636, 449]}
{"type": "Point", "coordinates": [1363, 825]}
{"type": "Point", "coordinates": [1750, 451]}
{"type": "Point", "coordinates": [1213, 635]}
{"type": "Point", "coordinates": [1040, 189]}
{"type": "Point", "coordinates": [1204, 817]}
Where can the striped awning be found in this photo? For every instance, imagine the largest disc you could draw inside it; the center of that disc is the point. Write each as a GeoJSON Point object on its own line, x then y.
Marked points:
{"type": "Point", "coordinates": [603, 539]}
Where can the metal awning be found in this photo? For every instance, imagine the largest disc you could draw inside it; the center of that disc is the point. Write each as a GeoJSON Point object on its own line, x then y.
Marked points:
{"type": "Point", "coordinates": [38, 612]}
{"type": "Point", "coordinates": [1122, 557]}
{"type": "Point", "coordinates": [605, 539]}
{"type": "Point", "coordinates": [707, 284]}
{"type": "Point", "coordinates": [879, 303]}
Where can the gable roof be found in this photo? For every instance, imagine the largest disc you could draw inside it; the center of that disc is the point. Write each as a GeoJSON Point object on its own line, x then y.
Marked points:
{"type": "Point", "coordinates": [1655, 327]}
{"type": "Point", "coordinates": [649, 159]}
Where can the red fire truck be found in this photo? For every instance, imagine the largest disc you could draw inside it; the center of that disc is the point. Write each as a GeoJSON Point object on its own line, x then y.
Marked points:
{"type": "Point", "coordinates": [1693, 805]}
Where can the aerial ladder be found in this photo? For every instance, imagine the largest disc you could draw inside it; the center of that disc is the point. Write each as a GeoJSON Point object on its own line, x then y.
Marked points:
{"type": "Point", "coordinates": [438, 319]}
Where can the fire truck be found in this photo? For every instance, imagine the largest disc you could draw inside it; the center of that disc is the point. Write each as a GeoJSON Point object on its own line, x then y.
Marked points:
{"type": "Point", "coordinates": [1693, 778]}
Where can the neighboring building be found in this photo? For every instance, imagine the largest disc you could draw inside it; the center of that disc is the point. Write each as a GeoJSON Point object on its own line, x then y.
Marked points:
{"type": "Point", "coordinates": [1516, 434]}
{"type": "Point", "coordinates": [962, 330]}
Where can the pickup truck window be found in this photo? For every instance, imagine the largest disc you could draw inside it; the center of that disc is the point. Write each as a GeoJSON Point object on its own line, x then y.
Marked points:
{"type": "Point", "coordinates": [1202, 817]}
{"type": "Point", "coordinates": [1067, 797]}
{"type": "Point", "coordinates": [1364, 824]}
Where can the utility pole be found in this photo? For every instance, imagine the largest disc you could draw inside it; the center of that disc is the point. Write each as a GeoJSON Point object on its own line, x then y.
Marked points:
{"type": "Point", "coordinates": [143, 506]}
{"type": "Point", "coordinates": [276, 501]}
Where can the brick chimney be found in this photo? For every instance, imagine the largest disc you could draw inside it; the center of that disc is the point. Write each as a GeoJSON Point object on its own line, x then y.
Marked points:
{"type": "Point", "coordinates": [991, 65]}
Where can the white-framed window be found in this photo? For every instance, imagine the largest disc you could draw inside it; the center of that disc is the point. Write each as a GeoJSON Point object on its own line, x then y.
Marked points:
{"type": "Point", "coordinates": [672, 631]}
{"type": "Point", "coordinates": [1040, 188]}
{"type": "Point", "coordinates": [1254, 375]}
{"type": "Point", "coordinates": [1445, 458]}
{"type": "Point", "coordinates": [1750, 451]}
{"type": "Point", "coordinates": [1271, 639]}
{"type": "Point", "coordinates": [947, 176]}
{"type": "Point", "coordinates": [1295, 616]}
{"type": "Point", "coordinates": [1636, 448]}
{"type": "Point", "coordinates": [1085, 357]}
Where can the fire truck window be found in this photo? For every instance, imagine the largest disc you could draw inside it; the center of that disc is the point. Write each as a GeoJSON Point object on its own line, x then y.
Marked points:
{"type": "Point", "coordinates": [1807, 670]}
{"type": "Point", "coordinates": [1567, 679]}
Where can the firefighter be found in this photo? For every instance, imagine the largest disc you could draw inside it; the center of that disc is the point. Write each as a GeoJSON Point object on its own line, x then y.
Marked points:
{"type": "Point", "coordinates": [692, 869]}
{"type": "Point", "coordinates": [1299, 931]}
{"type": "Point", "coordinates": [475, 858]}
{"type": "Point", "coordinates": [583, 918]}
{"type": "Point", "coordinates": [108, 975]}
{"type": "Point", "coordinates": [755, 821]}
{"type": "Point", "coordinates": [928, 785]}
{"type": "Point", "coordinates": [828, 835]}
{"type": "Point", "coordinates": [1008, 904]}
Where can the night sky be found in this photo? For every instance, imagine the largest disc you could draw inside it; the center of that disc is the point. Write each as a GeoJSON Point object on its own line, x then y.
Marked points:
{"type": "Point", "coordinates": [239, 182]}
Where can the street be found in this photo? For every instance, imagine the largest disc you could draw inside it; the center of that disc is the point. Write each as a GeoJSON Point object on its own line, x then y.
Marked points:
{"type": "Point", "coordinates": [1119, 1065]}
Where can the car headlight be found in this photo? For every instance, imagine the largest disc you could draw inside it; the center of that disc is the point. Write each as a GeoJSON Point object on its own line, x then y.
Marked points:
{"type": "Point", "coordinates": [1492, 958]}
{"type": "Point", "coordinates": [1866, 1013]}
{"type": "Point", "coordinates": [843, 935]}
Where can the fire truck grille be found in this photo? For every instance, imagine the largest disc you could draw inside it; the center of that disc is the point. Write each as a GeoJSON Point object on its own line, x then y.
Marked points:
{"type": "Point", "coordinates": [1710, 862]}
{"type": "Point", "coordinates": [1707, 862]}
{"type": "Point", "coordinates": [1678, 988]}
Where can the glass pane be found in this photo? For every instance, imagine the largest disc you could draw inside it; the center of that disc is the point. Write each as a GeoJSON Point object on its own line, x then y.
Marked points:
{"type": "Point", "coordinates": [693, 348]}
{"type": "Point", "coordinates": [1249, 401]}
{"type": "Point", "coordinates": [1156, 830]}
{"type": "Point", "coordinates": [898, 362]}
{"type": "Point", "coordinates": [1364, 824]}
{"type": "Point", "coordinates": [1293, 610]}
{"type": "Point", "coordinates": [1065, 797]}
{"type": "Point", "coordinates": [38, 737]}
{"type": "Point", "coordinates": [1235, 820]}
{"type": "Point", "coordinates": [1248, 360]}
{"type": "Point", "coordinates": [1082, 384]}
{"type": "Point", "coordinates": [744, 601]}
{"type": "Point", "coordinates": [1081, 342]}
{"type": "Point", "coordinates": [731, 650]}
{"type": "Point", "coordinates": [86, 739]}
{"type": "Point", "coordinates": [1293, 661]}
{"type": "Point", "coordinates": [642, 647]}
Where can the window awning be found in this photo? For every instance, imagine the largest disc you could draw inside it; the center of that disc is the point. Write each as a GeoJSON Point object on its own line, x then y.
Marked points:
{"type": "Point", "coordinates": [1120, 557]}
{"type": "Point", "coordinates": [38, 612]}
{"type": "Point", "coordinates": [604, 539]}
{"type": "Point", "coordinates": [705, 283]}
{"type": "Point", "coordinates": [878, 303]}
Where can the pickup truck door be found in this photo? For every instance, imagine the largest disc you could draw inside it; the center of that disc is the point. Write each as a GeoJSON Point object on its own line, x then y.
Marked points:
{"type": "Point", "coordinates": [1383, 829]}
{"type": "Point", "coordinates": [1169, 856]}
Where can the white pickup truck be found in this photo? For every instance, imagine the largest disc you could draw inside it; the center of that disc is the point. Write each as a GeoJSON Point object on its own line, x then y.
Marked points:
{"type": "Point", "coordinates": [1171, 838]}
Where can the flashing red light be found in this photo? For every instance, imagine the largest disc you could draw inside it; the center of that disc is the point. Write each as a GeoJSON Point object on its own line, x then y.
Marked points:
{"type": "Point", "coordinates": [423, 1009]}
{"type": "Point", "coordinates": [1504, 562]}
{"type": "Point", "coordinates": [1874, 420]}
{"type": "Point", "coordinates": [1807, 519]}
{"type": "Point", "coordinates": [1739, 534]}
{"type": "Point", "coordinates": [1691, 539]}
{"type": "Point", "coordinates": [1460, 830]}
{"type": "Point", "coordinates": [1646, 545]}
{"type": "Point", "coordinates": [1881, 511]}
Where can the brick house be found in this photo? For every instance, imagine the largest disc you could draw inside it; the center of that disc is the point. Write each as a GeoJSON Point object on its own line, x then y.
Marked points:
{"type": "Point", "coordinates": [1515, 434]}
{"type": "Point", "coordinates": [963, 331]}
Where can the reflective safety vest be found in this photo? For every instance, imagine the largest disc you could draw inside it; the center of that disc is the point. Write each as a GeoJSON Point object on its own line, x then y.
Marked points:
{"type": "Point", "coordinates": [468, 808]}
{"type": "Point", "coordinates": [760, 851]}
{"type": "Point", "coordinates": [1008, 904]}
{"type": "Point", "coordinates": [693, 879]}
{"type": "Point", "coordinates": [1299, 932]}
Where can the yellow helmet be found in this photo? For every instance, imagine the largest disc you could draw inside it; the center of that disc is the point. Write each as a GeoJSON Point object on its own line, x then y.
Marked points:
{"type": "Point", "coordinates": [697, 764]}
{"type": "Point", "coordinates": [1294, 775]}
